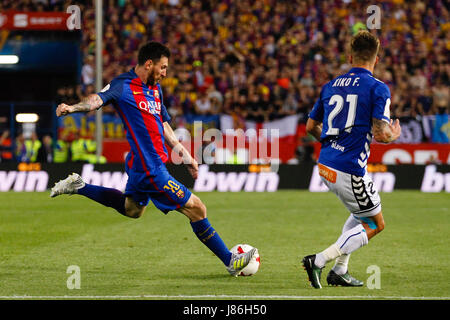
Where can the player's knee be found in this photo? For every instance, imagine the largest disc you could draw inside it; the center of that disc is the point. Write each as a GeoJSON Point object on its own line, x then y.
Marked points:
{"type": "Point", "coordinates": [132, 209]}
{"type": "Point", "coordinates": [199, 209]}
{"type": "Point", "coordinates": [202, 210]}
{"type": "Point", "coordinates": [380, 226]}
{"type": "Point", "coordinates": [134, 213]}
{"type": "Point", "coordinates": [195, 209]}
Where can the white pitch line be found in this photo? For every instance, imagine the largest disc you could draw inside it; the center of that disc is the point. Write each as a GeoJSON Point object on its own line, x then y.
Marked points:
{"type": "Point", "coordinates": [224, 297]}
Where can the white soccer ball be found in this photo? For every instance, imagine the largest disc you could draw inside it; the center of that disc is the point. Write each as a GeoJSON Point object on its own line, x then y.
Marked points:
{"type": "Point", "coordinates": [253, 265]}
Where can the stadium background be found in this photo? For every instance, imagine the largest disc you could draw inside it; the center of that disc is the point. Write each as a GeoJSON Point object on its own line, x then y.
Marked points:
{"type": "Point", "coordinates": [225, 72]}
{"type": "Point", "coordinates": [266, 76]}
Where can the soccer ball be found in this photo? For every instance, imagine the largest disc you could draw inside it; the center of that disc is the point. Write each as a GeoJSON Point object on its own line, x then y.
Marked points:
{"type": "Point", "coordinates": [253, 265]}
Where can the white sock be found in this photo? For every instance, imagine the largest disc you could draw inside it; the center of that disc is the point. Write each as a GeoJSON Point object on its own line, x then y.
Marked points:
{"type": "Point", "coordinates": [330, 253]}
{"type": "Point", "coordinates": [341, 264]}
{"type": "Point", "coordinates": [352, 239]}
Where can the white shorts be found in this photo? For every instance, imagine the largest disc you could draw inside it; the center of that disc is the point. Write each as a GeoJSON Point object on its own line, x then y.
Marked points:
{"type": "Point", "coordinates": [358, 194]}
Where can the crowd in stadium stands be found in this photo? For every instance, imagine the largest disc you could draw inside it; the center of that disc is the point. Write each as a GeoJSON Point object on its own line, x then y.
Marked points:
{"type": "Point", "coordinates": [223, 63]}
{"type": "Point", "coordinates": [262, 60]}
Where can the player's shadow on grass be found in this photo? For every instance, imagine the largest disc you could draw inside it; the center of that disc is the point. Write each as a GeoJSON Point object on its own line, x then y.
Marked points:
{"type": "Point", "coordinates": [199, 276]}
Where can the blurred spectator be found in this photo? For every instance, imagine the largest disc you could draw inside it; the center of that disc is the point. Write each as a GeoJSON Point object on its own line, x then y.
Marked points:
{"type": "Point", "coordinates": [6, 152]}
{"type": "Point", "coordinates": [68, 94]}
{"type": "Point", "coordinates": [305, 149]}
{"type": "Point", "coordinates": [88, 70]}
{"type": "Point", "coordinates": [418, 80]}
{"type": "Point", "coordinates": [60, 95]}
{"type": "Point", "coordinates": [290, 104]}
{"type": "Point", "coordinates": [61, 151]}
{"type": "Point", "coordinates": [134, 29]}
{"type": "Point", "coordinates": [253, 108]}
{"type": "Point", "coordinates": [203, 105]}
{"type": "Point", "coordinates": [77, 148]}
{"type": "Point", "coordinates": [71, 95]}
{"type": "Point", "coordinates": [20, 151]}
{"type": "Point", "coordinates": [26, 150]}
{"type": "Point", "coordinates": [32, 146]}
{"type": "Point", "coordinates": [83, 149]}
{"type": "Point", "coordinates": [425, 102]}
{"type": "Point", "coordinates": [215, 97]}
{"type": "Point", "coordinates": [441, 99]}
{"type": "Point", "coordinates": [45, 152]}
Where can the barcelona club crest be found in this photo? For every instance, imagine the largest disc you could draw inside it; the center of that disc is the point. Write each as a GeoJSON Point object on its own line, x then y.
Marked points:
{"type": "Point", "coordinates": [156, 93]}
{"type": "Point", "coordinates": [180, 194]}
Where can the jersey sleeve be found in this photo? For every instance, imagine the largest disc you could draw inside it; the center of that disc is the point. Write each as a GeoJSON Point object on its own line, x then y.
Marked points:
{"type": "Point", "coordinates": [381, 103]}
{"type": "Point", "coordinates": [317, 110]}
{"type": "Point", "coordinates": [165, 115]}
{"type": "Point", "coordinates": [112, 92]}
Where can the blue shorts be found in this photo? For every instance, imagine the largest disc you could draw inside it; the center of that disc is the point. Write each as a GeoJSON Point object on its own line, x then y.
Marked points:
{"type": "Point", "coordinates": [165, 191]}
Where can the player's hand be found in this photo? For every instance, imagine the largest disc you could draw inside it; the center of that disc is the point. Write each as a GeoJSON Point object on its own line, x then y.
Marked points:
{"type": "Point", "coordinates": [396, 129]}
{"type": "Point", "coordinates": [63, 109]}
{"type": "Point", "coordinates": [193, 168]}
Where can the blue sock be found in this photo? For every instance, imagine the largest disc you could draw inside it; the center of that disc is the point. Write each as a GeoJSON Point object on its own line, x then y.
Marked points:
{"type": "Point", "coordinates": [206, 233]}
{"type": "Point", "coordinates": [106, 196]}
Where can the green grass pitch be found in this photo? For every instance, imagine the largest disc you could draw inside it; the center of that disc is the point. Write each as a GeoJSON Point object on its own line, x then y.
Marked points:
{"type": "Point", "coordinates": [159, 257]}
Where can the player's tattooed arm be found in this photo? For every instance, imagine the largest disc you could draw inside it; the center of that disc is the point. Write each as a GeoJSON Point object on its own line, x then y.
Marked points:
{"type": "Point", "coordinates": [91, 102]}
{"type": "Point", "coordinates": [314, 128]}
{"type": "Point", "coordinates": [386, 132]}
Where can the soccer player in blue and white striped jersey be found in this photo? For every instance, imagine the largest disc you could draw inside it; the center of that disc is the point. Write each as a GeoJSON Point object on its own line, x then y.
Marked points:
{"type": "Point", "coordinates": [351, 109]}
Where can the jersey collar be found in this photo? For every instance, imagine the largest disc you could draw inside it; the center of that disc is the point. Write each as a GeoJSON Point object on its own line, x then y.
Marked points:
{"type": "Point", "coordinates": [359, 70]}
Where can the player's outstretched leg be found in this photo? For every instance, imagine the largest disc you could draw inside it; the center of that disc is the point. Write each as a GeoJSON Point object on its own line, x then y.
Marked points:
{"type": "Point", "coordinates": [69, 185]}
{"type": "Point", "coordinates": [74, 184]}
{"type": "Point", "coordinates": [195, 210]}
{"type": "Point", "coordinates": [239, 261]}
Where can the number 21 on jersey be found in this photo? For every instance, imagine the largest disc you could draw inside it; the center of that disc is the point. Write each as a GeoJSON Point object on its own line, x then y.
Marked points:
{"type": "Point", "coordinates": [338, 101]}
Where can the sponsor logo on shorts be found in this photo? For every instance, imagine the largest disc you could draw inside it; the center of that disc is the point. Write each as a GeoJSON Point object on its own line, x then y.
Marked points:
{"type": "Point", "coordinates": [327, 173]}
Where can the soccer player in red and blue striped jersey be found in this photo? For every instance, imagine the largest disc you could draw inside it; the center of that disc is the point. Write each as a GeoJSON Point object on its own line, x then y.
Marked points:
{"type": "Point", "coordinates": [137, 97]}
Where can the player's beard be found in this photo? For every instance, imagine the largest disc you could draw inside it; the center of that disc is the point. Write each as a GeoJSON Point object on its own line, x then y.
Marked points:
{"type": "Point", "coordinates": [152, 78]}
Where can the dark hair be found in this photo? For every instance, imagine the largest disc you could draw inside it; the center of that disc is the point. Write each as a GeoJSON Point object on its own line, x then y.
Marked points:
{"type": "Point", "coordinates": [364, 46]}
{"type": "Point", "coordinates": [152, 51]}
